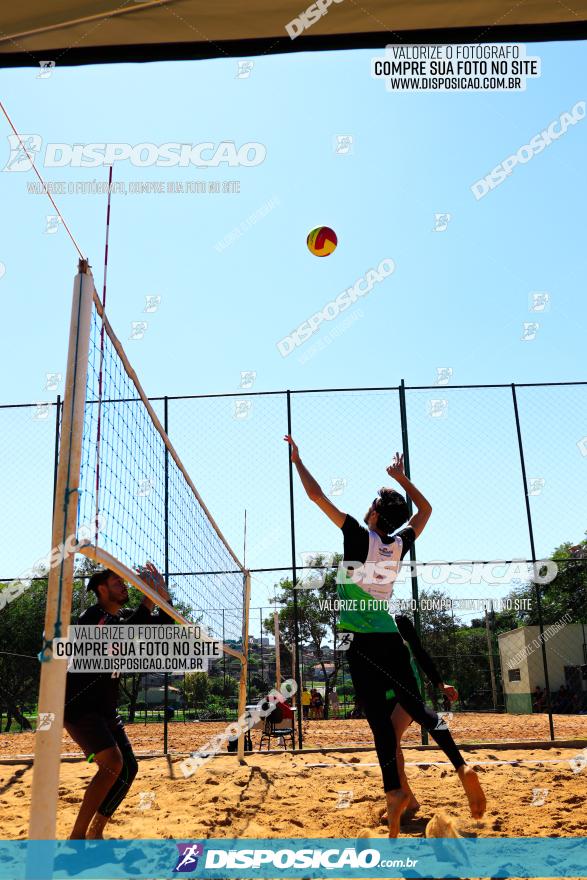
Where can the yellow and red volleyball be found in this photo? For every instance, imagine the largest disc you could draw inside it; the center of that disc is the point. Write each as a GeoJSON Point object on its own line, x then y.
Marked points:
{"type": "Point", "coordinates": [322, 241]}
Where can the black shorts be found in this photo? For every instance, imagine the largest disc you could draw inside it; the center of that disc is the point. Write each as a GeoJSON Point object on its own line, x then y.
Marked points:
{"type": "Point", "coordinates": [93, 733]}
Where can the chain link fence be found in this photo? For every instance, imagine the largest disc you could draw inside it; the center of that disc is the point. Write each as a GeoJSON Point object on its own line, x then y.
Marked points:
{"type": "Point", "coordinates": [505, 469]}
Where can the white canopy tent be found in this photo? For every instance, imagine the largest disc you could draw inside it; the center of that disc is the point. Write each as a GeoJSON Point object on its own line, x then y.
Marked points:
{"type": "Point", "coordinates": [72, 32]}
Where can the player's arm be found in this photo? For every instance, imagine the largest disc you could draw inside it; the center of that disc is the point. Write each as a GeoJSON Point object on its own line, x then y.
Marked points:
{"type": "Point", "coordinates": [423, 658]}
{"type": "Point", "coordinates": [423, 506]}
{"type": "Point", "coordinates": [425, 662]}
{"type": "Point", "coordinates": [313, 490]}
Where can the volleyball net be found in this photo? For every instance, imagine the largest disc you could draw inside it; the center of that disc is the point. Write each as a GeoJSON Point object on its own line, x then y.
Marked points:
{"type": "Point", "coordinates": [134, 485]}
{"type": "Point", "coordinates": [124, 495]}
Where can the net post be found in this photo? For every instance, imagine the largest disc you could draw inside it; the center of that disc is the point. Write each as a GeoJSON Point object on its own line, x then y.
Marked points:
{"type": "Point", "coordinates": [415, 591]}
{"type": "Point", "coordinates": [166, 575]}
{"type": "Point", "coordinates": [224, 652]}
{"type": "Point", "coordinates": [242, 694]}
{"type": "Point", "coordinates": [44, 795]}
{"type": "Point", "coordinates": [56, 455]}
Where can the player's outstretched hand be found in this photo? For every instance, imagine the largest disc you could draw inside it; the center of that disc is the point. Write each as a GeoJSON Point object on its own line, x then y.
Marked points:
{"type": "Point", "coordinates": [396, 468]}
{"type": "Point", "coordinates": [149, 574]}
{"type": "Point", "coordinates": [295, 455]}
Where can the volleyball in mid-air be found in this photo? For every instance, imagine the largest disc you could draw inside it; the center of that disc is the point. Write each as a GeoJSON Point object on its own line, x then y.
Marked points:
{"type": "Point", "coordinates": [322, 241]}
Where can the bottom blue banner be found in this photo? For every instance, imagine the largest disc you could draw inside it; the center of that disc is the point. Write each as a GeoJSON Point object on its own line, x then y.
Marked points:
{"type": "Point", "coordinates": [294, 857]}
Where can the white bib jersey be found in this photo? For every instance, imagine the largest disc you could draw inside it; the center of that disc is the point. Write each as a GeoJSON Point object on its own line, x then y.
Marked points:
{"type": "Point", "coordinates": [366, 587]}
{"type": "Point", "coordinates": [378, 573]}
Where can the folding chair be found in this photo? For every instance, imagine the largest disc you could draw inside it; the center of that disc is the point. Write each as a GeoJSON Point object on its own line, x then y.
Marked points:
{"type": "Point", "coordinates": [270, 729]}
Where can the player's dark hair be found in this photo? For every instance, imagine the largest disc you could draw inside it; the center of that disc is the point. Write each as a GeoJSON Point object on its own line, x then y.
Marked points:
{"type": "Point", "coordinates": [392, 510]}
{"type": "Point", "coordinates": [99, 578]}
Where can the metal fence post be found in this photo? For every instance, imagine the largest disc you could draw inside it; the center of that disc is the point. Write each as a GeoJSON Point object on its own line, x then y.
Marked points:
{"type": "Point", "coordinates": [244, 671]}
{"type": "Point", "coordinates": [294, 577]}
{"type": "Point", "coordinates": [415, 591]}
{"type": "Point", "coordinates": [533, 551]}
{"type": "Point", "coordinates": [261, 640]}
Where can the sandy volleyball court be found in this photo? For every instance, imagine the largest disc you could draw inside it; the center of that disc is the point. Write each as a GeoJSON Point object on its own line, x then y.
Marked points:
{"type": "Point", "coordinates": [289, 795]}
{"type": "Point", "coordinates": [531, 792]}
{"type": "Point", "coordinates": [466, 728]}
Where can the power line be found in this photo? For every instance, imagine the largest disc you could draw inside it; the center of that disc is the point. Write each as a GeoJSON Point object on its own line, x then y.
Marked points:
{"type": "Point", "coordinates": [47, 193]}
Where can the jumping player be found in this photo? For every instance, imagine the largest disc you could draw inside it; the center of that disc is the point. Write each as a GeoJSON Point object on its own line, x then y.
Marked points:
{"type": "Point", "coordinates": [91, 717]}
{"type": "Point", "coordinates": [378, 658]}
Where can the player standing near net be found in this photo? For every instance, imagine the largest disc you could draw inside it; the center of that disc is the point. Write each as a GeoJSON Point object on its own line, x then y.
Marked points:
{"type": "Point", "coordinates": [91, 716]}
{"type": "Point", "coordinates": [378, 658]}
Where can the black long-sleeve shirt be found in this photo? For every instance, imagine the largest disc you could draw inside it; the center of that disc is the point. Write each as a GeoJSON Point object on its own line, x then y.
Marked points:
{"type": "Point", "coordinates": [423, 659]}
{"type": "Point", "coordinates": [98, 693]}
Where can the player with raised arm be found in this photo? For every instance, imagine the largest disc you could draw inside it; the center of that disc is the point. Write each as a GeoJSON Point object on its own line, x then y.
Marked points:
{"type": "Point", "coordinates": [91, 714]}
{"type": "Point", "coordinates": [378, 658]}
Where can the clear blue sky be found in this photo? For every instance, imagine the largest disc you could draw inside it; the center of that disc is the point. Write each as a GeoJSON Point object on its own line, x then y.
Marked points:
{"type": "Point", "coordinates": [458, 298]}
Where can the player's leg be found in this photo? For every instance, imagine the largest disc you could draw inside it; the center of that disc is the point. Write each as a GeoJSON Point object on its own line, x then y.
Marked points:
{"type": "Point", "coordinates": [91, 732]}
{"type": "Point", "coordinates": [406, 691]}
{"type": "Point", "coordinates": [109, 763]}
{"type": "Point", "coordinates": [119, 789]}
{"type": "Point", "coordinates": [370, 683]}
{"type": "Point", "coordinates": [401, 721]}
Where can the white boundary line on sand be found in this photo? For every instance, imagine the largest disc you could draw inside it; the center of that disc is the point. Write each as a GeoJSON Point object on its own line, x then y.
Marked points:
{"type": "Point", "coordinates": [74, 756]}
{"type": "Point", "coordinates": [444, 763]}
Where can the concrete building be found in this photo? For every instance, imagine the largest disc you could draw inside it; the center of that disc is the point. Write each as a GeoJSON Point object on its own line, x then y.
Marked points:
{"type": "Point", "coordinates": [318, 672]}
{"type": "Point", "coordinates": [520, 652]}
{"type": "Point", "coordinates": [156, 696]}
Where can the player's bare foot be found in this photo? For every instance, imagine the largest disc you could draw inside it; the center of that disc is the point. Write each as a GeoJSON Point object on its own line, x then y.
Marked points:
{"type": "Point", "coordinates": [96, 829]}
{"type": "Point", "coordinates": [94, 835]}
{"type": "Point", "coordinates": [411, 810]}
{"type": "Point", "coordinates": [408, 813]}
{"type": "Point", "coordinates": [473, 790]}
{"type": "Point", "coordinates": [397, 801]}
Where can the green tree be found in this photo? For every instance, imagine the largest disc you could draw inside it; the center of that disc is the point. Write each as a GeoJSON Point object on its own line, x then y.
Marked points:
{"type": "Point", "coordinates": [472, 676]}
{"type": "Point", "coordinates": [196, 689]}
{"type": "Point", "coordinates": [22, 623]}
{"type": "Point", "coordinates": [221, 688]}
{"type": "Point", "coordinates": [438, 629]}
{"type": "Point", "coordinates": [567, 593]}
